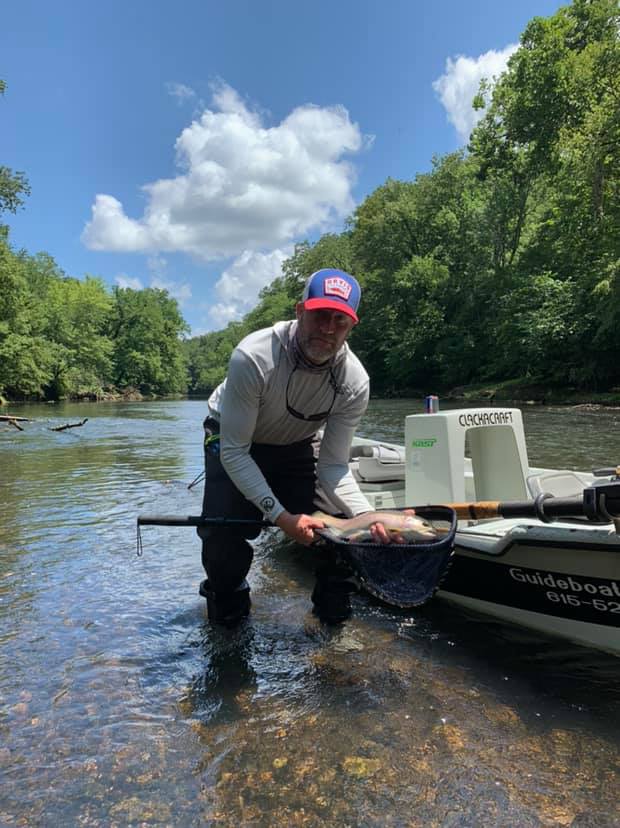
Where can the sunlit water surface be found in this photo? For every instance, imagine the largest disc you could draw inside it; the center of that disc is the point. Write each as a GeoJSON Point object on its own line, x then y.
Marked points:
{"type": "Point", "coordinates": [120, 705]}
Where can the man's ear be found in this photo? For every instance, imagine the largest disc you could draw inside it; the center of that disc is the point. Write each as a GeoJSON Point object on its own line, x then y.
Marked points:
{"type": "Point", "coordinates": [299, 309]}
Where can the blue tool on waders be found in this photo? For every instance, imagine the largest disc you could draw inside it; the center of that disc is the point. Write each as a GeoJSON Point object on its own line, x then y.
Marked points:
{"type": "Point", "coordinates": [212, 447]}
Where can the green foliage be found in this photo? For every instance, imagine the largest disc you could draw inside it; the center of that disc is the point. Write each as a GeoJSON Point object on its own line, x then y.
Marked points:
{"type": "Point", "coordinates": [386, 227]}
{"type": "Point", "coordinates": [65, 337]}
{"type": "Point", "coordinates": [208, 357]}
{"type": "Point", "coordinates": [401, 358]}
{"type": "Point", "coordinates": [549, 145]}
{"type": "Point", "coordinates": [148, 355]}
{"type": "Point", "coordinates": [275, 303]}
{"type": "Point", "coordinates": [329, 251]}
{"type": "Point", "coordinates": [14, 186]}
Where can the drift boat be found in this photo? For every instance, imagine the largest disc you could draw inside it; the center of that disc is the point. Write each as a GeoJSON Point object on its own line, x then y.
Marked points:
{"type": "Point", "coordinates": [560, 577]}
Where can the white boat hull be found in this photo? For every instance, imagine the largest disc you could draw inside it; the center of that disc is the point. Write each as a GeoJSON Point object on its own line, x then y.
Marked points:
{"type": "Point", "coordinates": [558, 579]}
{"type": "Point", "coordinates": [599, 636]}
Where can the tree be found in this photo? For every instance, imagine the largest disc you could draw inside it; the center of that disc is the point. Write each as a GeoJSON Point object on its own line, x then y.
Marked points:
{"type": "Point", "coordinates": [146, 329]}
{"type": "Point", "coordinates": [208, 357]}
{"type": "Point", "coordinates": [78, 320]}
{"type": "Point", "coordinates": [550, 146]}
{"type": "Point", "coordinates": [385, 227]}
{"type": "Point", "coordinates": [14, 186]}
{"type": "Point", "coordinates": [330, 250]}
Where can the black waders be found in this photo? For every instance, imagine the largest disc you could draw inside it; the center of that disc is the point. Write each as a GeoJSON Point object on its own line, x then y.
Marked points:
{"type": "Point", "coordinates": [226, 553]}
{"type": "Point", "coordinates": [226, 608]}
{"type": "Point", "coordinates": [332, 592]}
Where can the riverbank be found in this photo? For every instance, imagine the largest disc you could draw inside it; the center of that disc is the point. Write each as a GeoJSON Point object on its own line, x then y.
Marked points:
{"type": "Point", "coordinates": [518, 392]}
{"type": "Point", "coordinates": [104, 395]}
{"type": "Point", "coordinates": [513, 392]}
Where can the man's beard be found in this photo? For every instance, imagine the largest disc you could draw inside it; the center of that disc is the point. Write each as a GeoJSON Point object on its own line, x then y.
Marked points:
{"type": "Point", "coordinates": [309, 357]}
{"type": "Point", "coordinates": [317, 350]}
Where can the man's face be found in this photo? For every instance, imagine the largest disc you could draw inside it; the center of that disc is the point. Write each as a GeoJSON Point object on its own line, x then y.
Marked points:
{"type": "Point", "coordinates": [322, 332]}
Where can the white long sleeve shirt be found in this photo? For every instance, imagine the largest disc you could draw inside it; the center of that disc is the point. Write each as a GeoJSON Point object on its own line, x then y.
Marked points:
{"type": "Point", "coordinates": [251, 407]}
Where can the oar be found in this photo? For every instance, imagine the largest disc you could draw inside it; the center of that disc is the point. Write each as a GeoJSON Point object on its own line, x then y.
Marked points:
{"type": "Point", "coordinates": [600, 504]}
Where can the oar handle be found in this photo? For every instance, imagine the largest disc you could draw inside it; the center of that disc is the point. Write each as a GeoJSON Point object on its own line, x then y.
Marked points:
{"type": "Point", "coordinates": [541, 508]}
{"type": "Point", "coordinates": [600, 504]}
{"type": "Point", "coordinates": [476, 511]}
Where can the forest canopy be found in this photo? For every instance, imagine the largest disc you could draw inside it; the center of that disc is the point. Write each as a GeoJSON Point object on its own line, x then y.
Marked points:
{"type": "Point", "coordinates": [501, 263]}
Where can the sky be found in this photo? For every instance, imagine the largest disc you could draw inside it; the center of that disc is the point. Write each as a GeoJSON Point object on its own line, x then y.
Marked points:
{"type": "Point", "coordinates": [189, 146]}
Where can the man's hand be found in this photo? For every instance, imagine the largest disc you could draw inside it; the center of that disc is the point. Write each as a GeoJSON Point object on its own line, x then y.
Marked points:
{"type": "Point", "coordinates": [299, 527]}
{"type": "Point", "coordinates": [381, 535]}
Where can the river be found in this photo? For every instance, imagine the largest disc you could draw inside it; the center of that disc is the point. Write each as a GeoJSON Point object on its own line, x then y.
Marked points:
{"type": "Point", "coordinates": [120, 705]}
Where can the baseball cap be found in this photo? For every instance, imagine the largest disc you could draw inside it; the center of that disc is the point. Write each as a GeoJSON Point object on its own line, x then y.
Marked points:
{"type": "Point", "coordinates": [333, 289]}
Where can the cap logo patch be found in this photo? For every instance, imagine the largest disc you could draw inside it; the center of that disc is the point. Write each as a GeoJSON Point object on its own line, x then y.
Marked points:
{"type": "Point", "coordinates": [336, 286]}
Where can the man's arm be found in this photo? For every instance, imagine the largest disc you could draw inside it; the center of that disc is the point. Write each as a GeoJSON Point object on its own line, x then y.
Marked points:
{"type": "Point", "coordinates": [333, 471]}
{"type": "Point", "coordinates": [238, 414]}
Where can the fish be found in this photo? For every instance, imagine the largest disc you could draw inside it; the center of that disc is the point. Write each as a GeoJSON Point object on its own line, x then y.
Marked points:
{"type": "Point", "coordinates": [409, 528]}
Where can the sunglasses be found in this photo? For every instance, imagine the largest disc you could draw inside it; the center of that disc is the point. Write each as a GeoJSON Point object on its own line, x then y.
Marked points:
{"type": "Point", "coordinates": [320, 415]}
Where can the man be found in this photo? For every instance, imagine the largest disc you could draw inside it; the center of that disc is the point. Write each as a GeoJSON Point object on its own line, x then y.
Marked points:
{"type": "Point", "coordinates": [284, 383]}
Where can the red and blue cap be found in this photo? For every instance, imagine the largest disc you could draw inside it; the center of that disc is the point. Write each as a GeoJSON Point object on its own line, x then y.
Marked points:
{"type": "Point", "coordinates": [333, 289]}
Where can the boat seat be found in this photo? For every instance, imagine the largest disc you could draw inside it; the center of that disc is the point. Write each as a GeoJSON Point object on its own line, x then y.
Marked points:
{"type": "Point", "coordinates": [564, 483]}
{"type": "Point", "coordinates": [378, 462]}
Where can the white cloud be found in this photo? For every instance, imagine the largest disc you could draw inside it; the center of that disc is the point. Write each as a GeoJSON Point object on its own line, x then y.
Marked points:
{"type": "Point", "coordinates": [242, 185]}
{"type": "Point", "coordinates": [239, 285]}
{"type": "Point", "coordinates": [181, 291]}
{"type": "Point", "coordinates": [157, 265]}
{"type": "Point", "coordinates": [459, 84]}
{"type": "Point", "coordinates": [124, 281]}
{"type": "Point", "coordinates": [179, 91]}
{"type": "Point", "coordinates": [220, 314]}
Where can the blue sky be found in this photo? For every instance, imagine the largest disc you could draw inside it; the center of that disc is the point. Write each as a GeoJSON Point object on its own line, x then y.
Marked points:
{"type": "Point", "coordinates": [190, 145]}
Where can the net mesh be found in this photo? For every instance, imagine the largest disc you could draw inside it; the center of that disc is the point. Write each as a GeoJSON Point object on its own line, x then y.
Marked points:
{"type": "Point", "coordinates": [403, 575]}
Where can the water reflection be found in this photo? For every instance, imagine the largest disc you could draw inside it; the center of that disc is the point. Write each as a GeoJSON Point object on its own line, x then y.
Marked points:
{"type": "Point", "coordinates": [119, 704]}
{"type": "Point", "coordinates": [228, 678]}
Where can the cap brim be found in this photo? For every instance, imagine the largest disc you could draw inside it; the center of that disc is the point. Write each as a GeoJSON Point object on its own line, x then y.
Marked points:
{"type": "Point", "coordinates": [330, 304]}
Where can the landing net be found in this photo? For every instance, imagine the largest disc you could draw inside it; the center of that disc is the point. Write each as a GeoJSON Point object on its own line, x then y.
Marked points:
{"type": "Point", "coordinates": [404, 575]}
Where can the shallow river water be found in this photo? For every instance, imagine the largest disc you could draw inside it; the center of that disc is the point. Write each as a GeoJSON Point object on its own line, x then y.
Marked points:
{"type": "Point", "coordinates": [120, 705]}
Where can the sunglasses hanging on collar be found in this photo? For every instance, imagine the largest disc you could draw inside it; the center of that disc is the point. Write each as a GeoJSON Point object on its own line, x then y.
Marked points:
{"type": "Point", "coordinates": [320, 415]}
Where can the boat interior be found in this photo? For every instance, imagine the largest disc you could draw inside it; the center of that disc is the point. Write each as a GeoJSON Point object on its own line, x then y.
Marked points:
{"type": "Point", "coordinates": [443, 461]}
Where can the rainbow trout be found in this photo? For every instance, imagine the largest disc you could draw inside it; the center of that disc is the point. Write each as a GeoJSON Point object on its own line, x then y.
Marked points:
{"type": "Point", "coordinates": [410, 528]}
